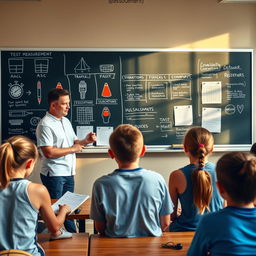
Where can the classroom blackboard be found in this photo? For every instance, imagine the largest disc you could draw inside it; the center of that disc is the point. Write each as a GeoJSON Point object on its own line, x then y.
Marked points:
{"type": "Point", "coordinates": [162, 92]}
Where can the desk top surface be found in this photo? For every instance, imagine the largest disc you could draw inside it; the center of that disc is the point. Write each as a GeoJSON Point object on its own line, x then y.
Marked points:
{"type": "Point", "coordinates": [140, 245]}
{"type": "Point", "coordinates": [83, 214]}
{"type": "Point", "coordinates": [77, 245]}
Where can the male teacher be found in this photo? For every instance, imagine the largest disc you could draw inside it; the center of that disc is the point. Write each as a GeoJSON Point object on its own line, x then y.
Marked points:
{"type": "Point", "coordinates": [58, 144]}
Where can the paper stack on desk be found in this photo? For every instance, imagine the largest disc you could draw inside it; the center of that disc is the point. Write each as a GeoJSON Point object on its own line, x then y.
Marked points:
{"type": "Point", "coordinates": [72, 199]}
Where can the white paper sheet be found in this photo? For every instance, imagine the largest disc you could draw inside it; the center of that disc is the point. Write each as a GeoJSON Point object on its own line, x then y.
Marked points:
{"type": "Point", "coordinates": [103, 134]}
{"type": "Point", "coordinates": [211, 119]}
{"type": "Point", "coordinates": [72, 199]}
{"type": "Point", "coordinates": [82, 131]}
{"type": "Point", "coordinates": [211, 92]}
{"type": "Point", "coordinates": [183, 115]}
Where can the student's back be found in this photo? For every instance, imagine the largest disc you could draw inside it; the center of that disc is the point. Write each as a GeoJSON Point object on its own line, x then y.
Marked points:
{"type": "Point", "coordinates": [22, 200]}
{"type": "Point", "coordinates": [189, 217]}
{"type": "Point", "coordinates": [232, 230]}
{"type": "Point", "coordinates": [130, 201]}
{"type": "Point", "coordinates": [195, 184]}
{"type": "Point", "coordinates": [20, 218]}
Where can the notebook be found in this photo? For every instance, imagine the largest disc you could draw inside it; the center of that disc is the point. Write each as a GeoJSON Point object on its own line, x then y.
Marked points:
{"type": "Point", "coordinates": [74, 200]}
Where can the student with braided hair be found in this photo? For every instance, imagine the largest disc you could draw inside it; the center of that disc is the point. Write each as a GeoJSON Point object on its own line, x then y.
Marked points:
{"type": "Point", "coordinates": [195, 184]}
{"type": "Point", "coordinates": [232, 230]}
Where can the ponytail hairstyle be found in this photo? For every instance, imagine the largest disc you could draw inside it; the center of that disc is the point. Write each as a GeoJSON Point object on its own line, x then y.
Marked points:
{"type": "Point", "coordinates": [13, 153]}
{"type": "Point", "coordinates": [198, 142]}
{"type": "Point", "coordinates": [236, 172]}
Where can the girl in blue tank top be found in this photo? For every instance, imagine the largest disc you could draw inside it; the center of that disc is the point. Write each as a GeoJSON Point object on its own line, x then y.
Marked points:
{"type": "Point", "coordinates": [21, 200]}
{"type": "Point", "coordinates": [194, 185]}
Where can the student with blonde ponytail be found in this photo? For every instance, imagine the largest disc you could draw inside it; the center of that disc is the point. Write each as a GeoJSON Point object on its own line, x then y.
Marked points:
{"type": "Point", "coordinates": [195, 184]}
{"type": "Point", "coordinates": [232, 230]}
{"type": "Point", "coordinates": [22, 200]}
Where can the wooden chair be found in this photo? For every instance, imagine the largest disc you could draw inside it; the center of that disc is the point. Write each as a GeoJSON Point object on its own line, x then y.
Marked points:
{"type": "Point", "coordinates": [14, 252]}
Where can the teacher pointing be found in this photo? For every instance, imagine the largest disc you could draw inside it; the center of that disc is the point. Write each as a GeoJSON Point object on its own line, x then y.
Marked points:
{"type": "Point", "coordinates": [58, 144]}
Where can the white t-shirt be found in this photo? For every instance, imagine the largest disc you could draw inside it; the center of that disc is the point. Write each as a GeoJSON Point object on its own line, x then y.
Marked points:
{"type": "Point", "coordinates": [52, 131]}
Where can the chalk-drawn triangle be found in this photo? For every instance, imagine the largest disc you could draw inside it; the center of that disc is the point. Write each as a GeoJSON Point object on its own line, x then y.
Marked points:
{"type": "Point", "coordinates": [82, 66]}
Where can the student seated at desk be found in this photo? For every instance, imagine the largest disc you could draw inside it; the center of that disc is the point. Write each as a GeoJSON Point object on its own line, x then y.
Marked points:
{"type": "Point", "coordinates": [130, 201]}
{"type": "Point", "coordinates": [195, 184]}
{"type": "Point", "coordinates": [232, 230]}
{"type": "Point", "coordinates": [21, 200]}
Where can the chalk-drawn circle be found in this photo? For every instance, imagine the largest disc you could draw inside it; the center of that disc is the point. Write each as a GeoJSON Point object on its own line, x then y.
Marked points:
{"type": "Point", "coordinates": [230, 109]}
{"type": "Point", "coordinates": [35, 120]}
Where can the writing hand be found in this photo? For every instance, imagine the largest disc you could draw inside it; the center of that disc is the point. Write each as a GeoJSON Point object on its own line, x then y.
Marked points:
{"type": "Point", "coordinates": [64, 207]}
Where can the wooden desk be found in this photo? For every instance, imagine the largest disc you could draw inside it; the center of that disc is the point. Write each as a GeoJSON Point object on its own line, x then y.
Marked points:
{"type": "Point", "coordinates": [77, 245]}
{"type": "Point", "coordinates": [149, 246]}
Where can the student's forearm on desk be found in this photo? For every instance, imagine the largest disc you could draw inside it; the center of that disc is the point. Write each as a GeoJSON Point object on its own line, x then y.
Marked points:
{"type": "Point", "coordinates": [100, 227]}
{"type": "Point", "coordinates": [165, 222]}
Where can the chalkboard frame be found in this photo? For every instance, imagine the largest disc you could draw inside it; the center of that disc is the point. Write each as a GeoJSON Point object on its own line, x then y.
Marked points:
{"type": "Point", "coordinates": [150, 148]}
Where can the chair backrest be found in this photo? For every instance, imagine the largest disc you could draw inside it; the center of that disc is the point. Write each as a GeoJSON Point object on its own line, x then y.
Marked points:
{"type": "Point", "coordinates": [14, 252]}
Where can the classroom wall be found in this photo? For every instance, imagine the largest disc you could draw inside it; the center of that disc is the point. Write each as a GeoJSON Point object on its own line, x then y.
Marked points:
{"type": "Point", "coordinates": [132, 24]}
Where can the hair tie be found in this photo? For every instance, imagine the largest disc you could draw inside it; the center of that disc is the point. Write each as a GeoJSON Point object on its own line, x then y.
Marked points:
{"type": "Point", "coordinates": [200, 145]}
{"type": "Point", "coordinates": [12, 147]}
{"type": "Point", "coordinates": [200, 168]}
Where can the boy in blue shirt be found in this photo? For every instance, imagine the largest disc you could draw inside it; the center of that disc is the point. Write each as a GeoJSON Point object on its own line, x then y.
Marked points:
{"type": "Point", "coordinates": [232, 230]}
{"type": "Point", "coordinates": [130, 201]}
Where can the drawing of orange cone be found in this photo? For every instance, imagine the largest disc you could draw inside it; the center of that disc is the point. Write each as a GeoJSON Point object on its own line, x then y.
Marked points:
{"type": "Point", "coordinates": [106, 91]}
{"type": "Point", "coordinates": [59, 86]}
{"type": "Point", "coordinates": [105, 115]}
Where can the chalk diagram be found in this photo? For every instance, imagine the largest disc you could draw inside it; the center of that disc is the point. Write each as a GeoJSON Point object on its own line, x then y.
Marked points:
{"type": "Point", "coordinates": [82, 88]}
{"type": "Point", "coordinates": [41, 66]}
{"type": "Point", "coordinates": [15, 65]}
{"type": "Point", "coordinates": [105, 115]}
{"type": "Point", "coordinates": [84, 114]}
{"type": "Point", "coordinates": [82, 66]}
{"type": "Point", "coordinates": [16, 90]}
{"type": "Point", "coordinates": [90, 88]}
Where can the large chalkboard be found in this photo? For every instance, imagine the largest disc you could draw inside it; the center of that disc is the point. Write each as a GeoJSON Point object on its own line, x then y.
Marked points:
{"type": "Point", "coordinates": [162, 92]}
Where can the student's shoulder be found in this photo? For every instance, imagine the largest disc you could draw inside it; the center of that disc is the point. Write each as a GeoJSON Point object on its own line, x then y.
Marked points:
{"type": "Point", "coordinates": [210, 165]}
{"type": "Point", "coordinates": [38, 189]}
{"type": "Point", "coordinates": [152, 174]}
{"type": "Point", "coordinates": [211, 219]}
{"type": "Point", "coordinates": [105, 178]}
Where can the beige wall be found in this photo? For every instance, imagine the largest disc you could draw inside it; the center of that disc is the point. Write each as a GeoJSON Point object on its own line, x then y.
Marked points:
{"type": "Point", "coordinates": [153, 24]}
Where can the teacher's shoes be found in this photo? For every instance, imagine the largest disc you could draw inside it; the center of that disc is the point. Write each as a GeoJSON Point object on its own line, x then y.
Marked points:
{"type": "Point", "coordinates": [63, 235]}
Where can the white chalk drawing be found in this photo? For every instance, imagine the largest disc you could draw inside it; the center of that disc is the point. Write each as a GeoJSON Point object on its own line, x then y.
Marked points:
{"type": "Point", "coordinates": [82, 66]}
{"type": "Point", "coordinates": [15, 90]}
{"type": "Point", "coordinates": [15, 122]}
{"type": "Point", "coordinates": [15, 65]}
{"type": "Point", "coordinates": [41, 66]}
{"type": "Point", "coordinates": [34, 120]}
{"type": "Point", "coordinates": [84, 114]}
{"type": "Point", "coordinates": [107, 68]}
{"type": "Point", "coordinates": [82, 88]}
{"type": "Point", "coordinates": [240, 108]}
{"type": "Point", "coordinates": [230, 109]}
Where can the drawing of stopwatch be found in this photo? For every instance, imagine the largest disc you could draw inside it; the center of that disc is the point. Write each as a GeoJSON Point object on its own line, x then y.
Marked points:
{"type": "Point", "coordinates": [16, 90]}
